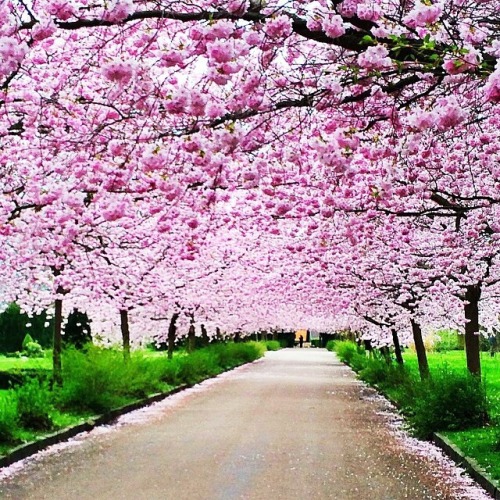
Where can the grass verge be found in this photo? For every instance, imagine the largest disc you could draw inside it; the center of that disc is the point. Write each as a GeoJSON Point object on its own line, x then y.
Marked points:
{"type": "Point", "coordinates": [98, 380]}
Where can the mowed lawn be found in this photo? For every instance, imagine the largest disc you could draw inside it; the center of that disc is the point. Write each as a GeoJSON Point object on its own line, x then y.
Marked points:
{"type": "Point", "coordinates": [482, 444]}
{"type": "Point", "coordinates": [8, 364]}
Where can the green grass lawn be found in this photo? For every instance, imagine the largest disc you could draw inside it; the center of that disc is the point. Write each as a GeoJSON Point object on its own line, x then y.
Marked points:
{"type": "Point", "coordinates": [8, 364]}
{"type": "Point", "coordinates": [482, 444]}
{"type": "Point", "coordinates": [455, 360]}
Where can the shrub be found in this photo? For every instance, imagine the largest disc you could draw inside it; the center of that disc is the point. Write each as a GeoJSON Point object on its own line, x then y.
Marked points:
{"type": "Point", "coordinates": [448, 401]}
{"type": "Point", "coordinates": [273, 345]}
{"type": "Point", "coordinates": [99, 379]}
{"type": "Point", "coordinates": [34, 406]}
{"type": "Point", "coordinates": [8, 417]}
{"type": "Point", "coordinates": [27, 340]}
{"type": "Point", "coordinates": [346, 350]}
{"type": "Point", "coordinates": [446, 340]}
{"type": "Point", "coordinates": [33, 350]}
{"type": "Point", "coordinates": [330, 345]}
{"type": "Point", "coordinates": [377, 371]}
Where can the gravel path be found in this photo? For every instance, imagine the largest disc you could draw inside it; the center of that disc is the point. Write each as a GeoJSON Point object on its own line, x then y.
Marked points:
{"type": "Point", "coordinates": [294, 425]}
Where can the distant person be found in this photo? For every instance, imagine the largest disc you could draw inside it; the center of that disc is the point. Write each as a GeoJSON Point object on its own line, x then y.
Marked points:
{"type": "Point", "coordinates": [301, 341]}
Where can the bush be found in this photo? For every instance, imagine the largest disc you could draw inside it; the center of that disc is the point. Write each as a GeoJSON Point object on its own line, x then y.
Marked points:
{"type": "Point", "coordinates": [346, 350]}
{"type": "Point", "coordinates": [28, 339]}
{"type": "Point", "coordinates": [447, 340]}
{"type": "Point", "coordinates": [273, 345]}
{"type": "Point", "coordinates": [330, 345]}
{"type": "Point", "coordinates": [99, 379]}
{"type": "Point", "coordinates": [448, 401]}
{"type": "Point", "coordinates": [8, 417]}
{"type": "Point", "coordinates": [33, 350]}
{"type": "Point", "coordinates": [378, 372]}
{"type": "Point", "coordinates": [34, 406]}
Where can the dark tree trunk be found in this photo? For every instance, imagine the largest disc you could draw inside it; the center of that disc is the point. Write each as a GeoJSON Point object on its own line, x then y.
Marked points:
{"type": "Point", "coordinates": [191, 336]}
{"type": "Point", "coordinates": [237, 337]}
{"type": "Point", "coordinates": [125, 329]}
{"type": "Point", "coordinates": [386, 354]}
{"type": "Point", "coordinates": [57, 339]}
{"type": "Point", "coordinates": [172, 329]}
{"type": "Point", "coordinates": [204, 336]}
{"type": "Point", "coordinates": [264, 335]}
{"type": "Point", "coordinates": [218, 334]}
{"type": "Point", "coordinates": [472, 349]}
{"type": "Point", "coordinates": [423, 365]}
{"type": "Point", "coordinates": [275, 334]}
{"type": "Point", "coordinates": [397, 346]}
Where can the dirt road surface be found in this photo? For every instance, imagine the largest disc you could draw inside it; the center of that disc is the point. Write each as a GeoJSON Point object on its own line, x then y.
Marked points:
{"type": "Point", "coordinates": [294, 425]}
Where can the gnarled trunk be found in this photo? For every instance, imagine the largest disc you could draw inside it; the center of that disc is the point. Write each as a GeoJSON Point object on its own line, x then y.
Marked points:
{"type": "Point", "coordinates": [125, 329]}
{"type": "Point", "coordinates": [423, 365]}
{"type": "Point", "coordinates": [472, 349]}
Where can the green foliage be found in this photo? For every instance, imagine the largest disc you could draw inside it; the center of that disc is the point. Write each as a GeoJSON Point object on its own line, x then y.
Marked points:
{"type": "Point", "coordinates": [28, 339]}
{"type": "Point", "coordinates": [448, 401]}
{"type": "Point", "coordinates": [13, 329]}
{"type": "Point", "coordinates": [330, 345]}
{"type": "Point", "coordinates": [8, 417]}
{"type": "Point", "coordinates": [99, 379]}
{"type": "Point", "coordinates": [378, 372]}
{"type": "Point", "coordinates": [34, 405]}
{"type": "Point", "coordinates": [272, 345]}
{"type": "Point", "coordinates": [447, 340]}
{"type": "Point", "coordinates": [33, 350]}
{"type": "Point", "coordinates": [346, 350]}
{"type": "Point", "coordinates": [77, 330]}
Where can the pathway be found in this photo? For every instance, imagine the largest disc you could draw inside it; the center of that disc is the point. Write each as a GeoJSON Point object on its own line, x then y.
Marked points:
{"type": "Point", "coordinates": [295, 425]}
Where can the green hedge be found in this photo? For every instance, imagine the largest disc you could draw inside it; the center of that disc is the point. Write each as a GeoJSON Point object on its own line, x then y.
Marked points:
{"type": "Point", "coordinates": [450, 400]}
{"type": "Point", "coordinates": [97, 380]}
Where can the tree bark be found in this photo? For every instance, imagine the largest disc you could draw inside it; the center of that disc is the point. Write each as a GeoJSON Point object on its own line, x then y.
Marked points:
{"type": "Point", "coordinates": [125, 329]}
{"type": "Point", "coordinates": [397, 346]}
{"type": "Point", "coordinates": [472, 349]}
{"type": "Point", "coordinates": [191, 336]}
{"type": "Point", "coordinates": [57, 378]}
{"type": "Point", "coordinates": [204, 336]}
{"type": "Point", "coordinates": [172, 329]}
{"type": "Point", "coordinates": [423, 365]}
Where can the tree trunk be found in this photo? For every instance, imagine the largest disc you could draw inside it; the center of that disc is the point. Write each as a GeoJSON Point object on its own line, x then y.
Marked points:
{"type": "Point", "coordinates": [218, 334]}
{"type": "Point", "coordinates": [397, 346]}
{"type": "Point", "coordinates": [423, 365]}
{"type": "Point", "coordinates": [237, 337]}
{"type": "Point", "coordinates": [191, 336]}
{"type": "Point", "coordinates": [57, 340]}
{"type": "Point", "coordinates": [472, 350]}
{"type": "Point", "coordinates": [124, 326]}
{"type": "Point", "coordinates": [275, 334]}
{"type": "Point", "coordinates": [172, 328]}
{"type": "Point", "coordinates": [204, 336]}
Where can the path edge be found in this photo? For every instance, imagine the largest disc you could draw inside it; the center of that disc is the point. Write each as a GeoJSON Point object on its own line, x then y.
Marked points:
{"type": "Point", "coordinates": [26, 450]}
{"type": "Point", "coordinates": [468, 463]}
